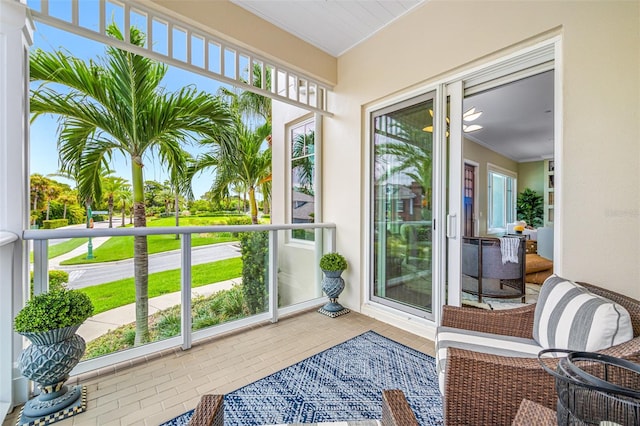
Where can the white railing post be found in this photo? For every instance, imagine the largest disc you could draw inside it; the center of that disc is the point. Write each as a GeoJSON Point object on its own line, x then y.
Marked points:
{"type": "Point", "coordinates": [185, 281]}
{"type": "Point", "coordinates": [273, 275]}
{"type": "Point", "coordinates": [40, 266]}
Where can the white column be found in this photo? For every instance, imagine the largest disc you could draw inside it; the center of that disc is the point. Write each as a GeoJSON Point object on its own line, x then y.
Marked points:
{"type": "Point", "coordinates": [15, 38]}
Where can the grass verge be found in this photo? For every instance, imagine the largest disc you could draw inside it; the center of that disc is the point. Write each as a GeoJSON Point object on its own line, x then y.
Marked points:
{"type": "Point", "coordinates": [112, 295]}
{"type": "Point", "coordinates": [56, 250]}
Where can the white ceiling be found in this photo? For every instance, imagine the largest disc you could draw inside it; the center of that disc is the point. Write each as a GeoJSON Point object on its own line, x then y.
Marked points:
{"type": "Point", "coordinates": [334, 26]}
{"type": "Point", "coordinates": [517, 118]}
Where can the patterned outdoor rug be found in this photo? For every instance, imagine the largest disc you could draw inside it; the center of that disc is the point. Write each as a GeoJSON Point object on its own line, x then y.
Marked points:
{"type": "Point", "coordinates": [343, 383]}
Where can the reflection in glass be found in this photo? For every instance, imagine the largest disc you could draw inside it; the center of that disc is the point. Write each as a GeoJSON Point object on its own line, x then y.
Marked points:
{"type": "Point", "coordinates": [302, 183]}
{"type": "Point", "coordinates": [403, 205]}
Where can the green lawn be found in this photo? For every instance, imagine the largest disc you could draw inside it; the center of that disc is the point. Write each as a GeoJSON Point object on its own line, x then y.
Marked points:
{"type": "Point", "coordinates": [56, 250]}
{"type": "Point", "coordinates": [122, 292]}
{"type": "Point", "coordinates": [119, 248]}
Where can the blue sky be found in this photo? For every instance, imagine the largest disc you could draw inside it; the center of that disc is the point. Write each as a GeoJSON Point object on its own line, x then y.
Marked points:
{"type": "Point", "coordinates": [44, 153]}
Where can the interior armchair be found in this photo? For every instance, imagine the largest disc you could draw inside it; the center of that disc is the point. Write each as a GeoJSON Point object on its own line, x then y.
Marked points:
{"type": "Point", "coordinates": [483, 387]}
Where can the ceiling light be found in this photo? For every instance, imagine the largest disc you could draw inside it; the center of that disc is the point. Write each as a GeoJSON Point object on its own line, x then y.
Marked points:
{"type": "Point", "coordinates": [470, 116]}
{"type": "Point", "coordinates": [471, 128]}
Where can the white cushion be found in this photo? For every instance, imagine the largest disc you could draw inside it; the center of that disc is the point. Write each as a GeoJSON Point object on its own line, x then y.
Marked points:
{"type": "Point", "coordinates": [568, 316]}
{"type": "Point", "coordinates": [494, 344]}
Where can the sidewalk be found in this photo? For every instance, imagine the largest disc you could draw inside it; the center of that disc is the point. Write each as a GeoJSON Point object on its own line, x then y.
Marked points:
{"type": "Point", "coordinates": [99, 324]}
{"type": "Point", "coordinates": [78, 251]}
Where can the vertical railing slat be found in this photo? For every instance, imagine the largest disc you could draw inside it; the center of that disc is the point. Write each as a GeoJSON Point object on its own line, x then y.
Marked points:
{"type": "Point", "coordinates": [185, 291]}
{"type": "Point", "coordinates": [40, 266]}
{"type": "Point", "coordinates": [273, 275]}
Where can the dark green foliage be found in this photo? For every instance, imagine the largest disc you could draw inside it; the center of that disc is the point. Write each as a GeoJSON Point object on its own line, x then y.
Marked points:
{"type": "Point", "coordinates": [333, 262]}
{"type": "Point", "coordinates": [55, 223]}
{"type": "Point", "coordinates": [255, 249]}
{"type": "Point", "coordinates": [56, 309]}
{"type": "Point", "coordinates": [530, 207]}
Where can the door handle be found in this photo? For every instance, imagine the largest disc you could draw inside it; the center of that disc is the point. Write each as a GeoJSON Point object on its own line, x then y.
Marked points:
{"type": "Point", "coordinates": [452, 226]}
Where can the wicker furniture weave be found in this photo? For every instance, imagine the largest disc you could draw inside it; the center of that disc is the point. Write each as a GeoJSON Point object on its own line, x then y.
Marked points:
{"type": "Point", "coordinates": [531, 413]}
{"type": "Point", "coordinates": [395, 410]}
{"type": "Point", "coordinates": [484, 389]}
{"type": "Point", "coordinates": [209, 411]}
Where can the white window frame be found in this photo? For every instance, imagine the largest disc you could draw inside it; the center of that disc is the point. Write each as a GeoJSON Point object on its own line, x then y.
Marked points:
{"type": "Point", "coordinates": [510, 209]}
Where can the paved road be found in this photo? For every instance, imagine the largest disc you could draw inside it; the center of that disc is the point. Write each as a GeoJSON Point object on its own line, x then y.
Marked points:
{"type": "Point", "coordinates": [88, 275]}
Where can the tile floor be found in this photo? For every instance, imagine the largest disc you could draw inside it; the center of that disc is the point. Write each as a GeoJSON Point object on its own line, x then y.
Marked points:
{"type": "Point", "coordinates": [149, 392]}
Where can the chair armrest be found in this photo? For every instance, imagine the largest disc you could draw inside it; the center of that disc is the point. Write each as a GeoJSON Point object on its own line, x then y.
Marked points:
{"type": "Point", "coordinates": [483, 389]}
{"type": "Point", "coordinates": [396, 410]}
{"type": "Point", "coordinates": [628, 350]}
{"type": "Point", "coordinates": [209, 411]}
{"type": "Point", "coordinates": [508, 322]}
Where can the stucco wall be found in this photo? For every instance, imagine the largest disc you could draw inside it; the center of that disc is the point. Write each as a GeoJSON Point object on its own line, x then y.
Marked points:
{"type": "Point", "coordinates": [599, 227]}
{"type": "Point", "coordinates": [531, 175]}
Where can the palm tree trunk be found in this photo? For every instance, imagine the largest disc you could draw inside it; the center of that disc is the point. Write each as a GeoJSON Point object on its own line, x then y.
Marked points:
{"type": "Point", "coordinates": [253, 205]}
{"type": "Point", "coordinates": [123, 215]}
{"type": "Point", "coordinates": [64, 211]}
{"type": "Point", "coordinates": [177, 207]}
{"type": "Point", "coordinates": [48, 208]}
{"type": "Point", "coordinates": [140, 257]}
{"type": "Point", "coordinates": [110, 211]}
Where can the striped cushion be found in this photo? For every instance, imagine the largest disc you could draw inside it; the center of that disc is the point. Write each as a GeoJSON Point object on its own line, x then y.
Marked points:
{"type": "Point", "coordinates": [494, 344]}
{"type": "Point", "coordinates": [568, 316]}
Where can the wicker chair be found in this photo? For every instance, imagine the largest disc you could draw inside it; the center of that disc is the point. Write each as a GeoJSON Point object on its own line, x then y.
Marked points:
{"type": "Point", "coordinates": [395, 410]}
{"type": "Point", "coordinates": [484, 389]}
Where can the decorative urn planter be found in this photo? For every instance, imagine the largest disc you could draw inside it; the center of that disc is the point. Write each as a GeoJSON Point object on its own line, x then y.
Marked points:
{"type": "Point", "coordinates": [48, 361]}
{"type": "Point", "coordinates": [50, 321]}
{"type": "Point", "coordinates": [332, 265]}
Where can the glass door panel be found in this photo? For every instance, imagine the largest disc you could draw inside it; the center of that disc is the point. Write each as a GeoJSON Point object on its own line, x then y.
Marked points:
{"type": "Point", "coordinates": [402, 205]}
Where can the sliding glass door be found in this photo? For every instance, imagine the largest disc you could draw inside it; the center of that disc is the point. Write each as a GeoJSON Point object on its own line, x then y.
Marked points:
{"type": "Point", "coordinates": [402, 200]}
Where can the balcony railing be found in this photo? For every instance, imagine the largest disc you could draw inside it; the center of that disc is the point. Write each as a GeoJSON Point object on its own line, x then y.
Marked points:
{"type": "Point", "coordinates": [292, 277]}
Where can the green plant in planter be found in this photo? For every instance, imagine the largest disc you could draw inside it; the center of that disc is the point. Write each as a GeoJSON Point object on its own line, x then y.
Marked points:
{"type": "Point", "coordinates": [49, 321]}
{"type": "Point", "coordinates": [333, 262]}
{"type": "Point", "coordinates": [530, 207]}
{"type": "Point", "coordinates": [53, 310]}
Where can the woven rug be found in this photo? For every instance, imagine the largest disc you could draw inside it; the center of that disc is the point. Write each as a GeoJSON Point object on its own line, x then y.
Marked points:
{"type": "Point", "coordinates": [343, 383]}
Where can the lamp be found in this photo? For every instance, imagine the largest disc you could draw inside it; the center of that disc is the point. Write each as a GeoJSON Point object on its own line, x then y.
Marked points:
{"type": "Point", "coordinates": [470, 115]}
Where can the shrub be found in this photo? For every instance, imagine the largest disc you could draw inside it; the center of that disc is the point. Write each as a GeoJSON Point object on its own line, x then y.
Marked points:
{"type": "Point", "coordinates": [333, 262]}
{"type": "Point", "coordinates": [52, 310]}
{"type": "Point", "coordinates": [57, 280]}
{"type": "Point", "coordinates": [239, 220]}
{"type": "Point", "coordinates": [54, 223]}
{"type": "Point", "coordinates": [254, 249]}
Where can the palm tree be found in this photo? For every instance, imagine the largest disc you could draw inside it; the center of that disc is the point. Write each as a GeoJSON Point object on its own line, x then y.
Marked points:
{"type": "Point", "coordinates": [111, 187]}
{"type": "Point", "coordinates": [303, 163]}
{"type": "Point", "coordinates": [411, 150]}
{"type": "Point", "coordinates": [67, 197]}
{"type": "Point", "coordinates": [241, 159]}
{"type": "Point", "coordinates": [116, 105]}
{"type": "Point", "coordinates": [124, 198]}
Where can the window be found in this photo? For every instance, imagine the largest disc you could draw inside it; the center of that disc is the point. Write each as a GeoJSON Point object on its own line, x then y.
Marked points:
{"type": "Point", "coordinates": [501, 199]}
{"type": "Point", "coordinates": [302, 177]}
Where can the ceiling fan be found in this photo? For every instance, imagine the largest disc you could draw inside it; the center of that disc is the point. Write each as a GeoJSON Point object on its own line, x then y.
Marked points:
{"type": "Point", "coordinates": [470, 115]}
